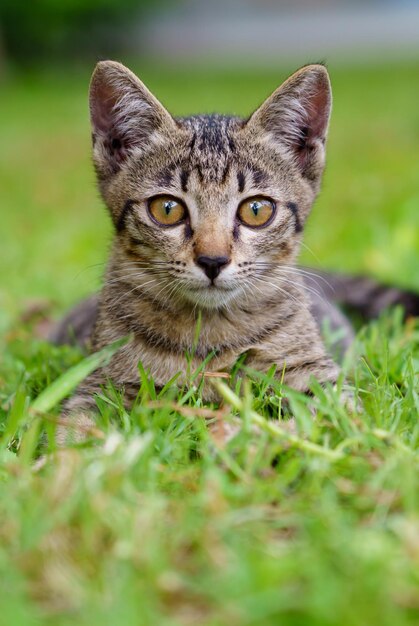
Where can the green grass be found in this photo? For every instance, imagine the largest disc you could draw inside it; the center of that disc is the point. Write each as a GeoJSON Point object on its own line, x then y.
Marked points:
{"type": "Point", "coordinates": [152, 520]}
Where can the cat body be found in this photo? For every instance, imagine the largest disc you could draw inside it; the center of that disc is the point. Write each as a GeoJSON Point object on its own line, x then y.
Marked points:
{"type": "Point", "coordinates": [209, 213]}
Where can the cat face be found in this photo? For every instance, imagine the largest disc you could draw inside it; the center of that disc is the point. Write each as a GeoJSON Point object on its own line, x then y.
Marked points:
{"type": "Point", "coordinates": [207, 207]}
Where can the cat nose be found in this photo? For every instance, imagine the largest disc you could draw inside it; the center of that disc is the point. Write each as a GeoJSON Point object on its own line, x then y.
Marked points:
{"type": "Point", "coordinates": [212, 264]}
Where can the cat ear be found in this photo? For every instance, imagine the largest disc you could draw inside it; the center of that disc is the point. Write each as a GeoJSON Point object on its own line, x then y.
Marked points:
{"type": "Point", "coordinates": [125, 116]}
{"type": "Point", "coordinates": [296, 117]}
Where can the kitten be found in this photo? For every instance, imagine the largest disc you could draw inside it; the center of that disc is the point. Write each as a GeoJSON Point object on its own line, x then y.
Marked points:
{"type": "Point", "coordinates": [209, 213]}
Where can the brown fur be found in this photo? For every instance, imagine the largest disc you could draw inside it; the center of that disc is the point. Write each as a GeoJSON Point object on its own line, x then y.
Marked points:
{"type": "Point", "coordinates": [153, 287]}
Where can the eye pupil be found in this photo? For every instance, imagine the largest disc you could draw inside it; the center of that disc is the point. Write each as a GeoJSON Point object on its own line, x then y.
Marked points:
{"type": "Point", "coordinates": [255, 206]}
{"type": "Point", "coordinates": [168, 206]}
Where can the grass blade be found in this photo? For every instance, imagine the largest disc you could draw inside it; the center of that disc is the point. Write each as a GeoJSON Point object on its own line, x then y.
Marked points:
{"type": "Point", "coordinates": [60, 389]}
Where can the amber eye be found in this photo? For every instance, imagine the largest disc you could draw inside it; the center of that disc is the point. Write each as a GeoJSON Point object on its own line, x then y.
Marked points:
{"type": "Point", "coordinates": [255, 212]}
{"type": "Point", "coordinates": [167, 211]}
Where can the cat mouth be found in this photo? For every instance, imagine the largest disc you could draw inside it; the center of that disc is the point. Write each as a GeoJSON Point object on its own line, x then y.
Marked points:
{"type": "Point", "coordinates": [210, 296]}
{"type": "Point", "coordinates": [213, 287]}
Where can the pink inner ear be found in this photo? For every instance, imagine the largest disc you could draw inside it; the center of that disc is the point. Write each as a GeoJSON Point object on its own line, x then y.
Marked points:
{"type": "Point", "coordinates": [102, 103]}
{"type": "Point", "coordinates": [314, 127]}
{"type": "Point", "coordinates": [318, 114]}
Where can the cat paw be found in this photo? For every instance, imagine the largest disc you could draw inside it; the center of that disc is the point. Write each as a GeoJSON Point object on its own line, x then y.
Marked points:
{"type": "Point", "coordinates": [76, 428]}
{"type": "Point", "coordinates": [351, 403]}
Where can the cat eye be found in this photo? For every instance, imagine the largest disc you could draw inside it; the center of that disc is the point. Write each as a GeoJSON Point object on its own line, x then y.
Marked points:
{"type": "Point", "coordinates": [166, 211]}
{"type": "Point", "coordinates": [256, 212]}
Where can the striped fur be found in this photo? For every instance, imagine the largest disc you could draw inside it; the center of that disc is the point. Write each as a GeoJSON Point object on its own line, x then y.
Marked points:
{"type": "Point", "coordinates": [154, 289]}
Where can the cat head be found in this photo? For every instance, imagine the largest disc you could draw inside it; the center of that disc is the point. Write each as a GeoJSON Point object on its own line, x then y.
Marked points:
{"type": "Point", "coordinates": [208, 205]}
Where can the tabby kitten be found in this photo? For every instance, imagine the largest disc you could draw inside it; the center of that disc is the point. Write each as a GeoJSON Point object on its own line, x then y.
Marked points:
{"type": "Point", "coordinates": [209, 213]}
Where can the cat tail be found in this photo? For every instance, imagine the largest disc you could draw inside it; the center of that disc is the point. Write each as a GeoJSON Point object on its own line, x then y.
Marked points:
{"type": "Point", "coordinates": [364, 296]}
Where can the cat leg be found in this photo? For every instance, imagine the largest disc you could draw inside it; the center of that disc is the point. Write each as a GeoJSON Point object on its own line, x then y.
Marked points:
{"type": "Point", "coordinates": [77, 419]}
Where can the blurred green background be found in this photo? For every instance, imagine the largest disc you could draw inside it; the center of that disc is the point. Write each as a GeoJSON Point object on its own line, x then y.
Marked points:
{"type": "Point", "coordinates": [162, 525]}
{"type": "Point", "coordinates": [54, 231]}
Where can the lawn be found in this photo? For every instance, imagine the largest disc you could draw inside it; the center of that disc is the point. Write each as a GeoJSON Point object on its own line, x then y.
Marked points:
{"type": "Point", "coordinates": [155, 521]}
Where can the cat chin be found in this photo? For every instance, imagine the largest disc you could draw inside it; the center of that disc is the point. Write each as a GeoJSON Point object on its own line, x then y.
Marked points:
{"type": "Point", "coordinates": [210, 297]}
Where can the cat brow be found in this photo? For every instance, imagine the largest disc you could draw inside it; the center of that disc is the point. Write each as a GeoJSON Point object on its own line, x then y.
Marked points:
{"type": "Point", "coordinates": [259, 177]}
{"type": "Point", "coordinates": [184, 176]}
{"type": "Point", "coordinates": [165, 176]}
{"type": "Point", "coordinates": [241, 181]}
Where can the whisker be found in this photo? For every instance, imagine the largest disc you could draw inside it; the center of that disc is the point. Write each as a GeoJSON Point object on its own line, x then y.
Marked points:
{"type": "Point", "coordinates": [90, 267]}
{"type": "Point", "coordinates": [155, 297]}
{"type": "Point", "coordinates": [134, 276]}
{"type": "Point", "coordinates": [282, 291]}
{"type": "Point", "coordinates": [111, 279]}
{"type": "Point", "coordinates": [125, 295]}
{"type": "Point", "coordinates": [295, 269]}
{"type": "Point", "coordinates": [302, 286]}
{"type": "Point", "coordinates": [302, 243]}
